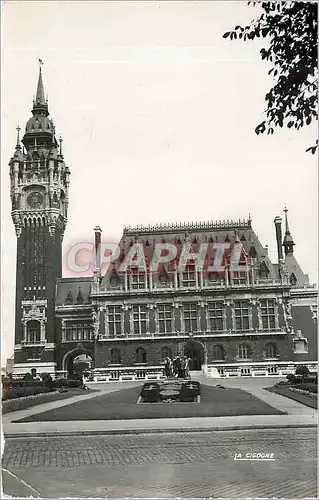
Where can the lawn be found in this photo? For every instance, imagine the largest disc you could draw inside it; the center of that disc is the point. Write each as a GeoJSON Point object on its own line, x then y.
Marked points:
{"type": "Point", "coordinates": [119, 405]}
{"type": "Point", "coordinates": [296, 396]}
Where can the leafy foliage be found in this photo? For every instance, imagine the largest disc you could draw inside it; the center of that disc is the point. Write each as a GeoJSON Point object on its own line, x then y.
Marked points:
{"type": "Point", "coordinates": [302, 370]}
{"type": "Point", "coordinates": [292, 31]}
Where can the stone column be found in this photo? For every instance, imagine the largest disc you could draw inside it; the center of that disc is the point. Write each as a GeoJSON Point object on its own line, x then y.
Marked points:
{"type": "Point", "coordinates": [63, 330]}
{"type": "Point", "coordinates": [42, 330]}
{"type": "Point", "coordinates": [175, 279]}
{"type": "Point", "coordinates": [276, 315]}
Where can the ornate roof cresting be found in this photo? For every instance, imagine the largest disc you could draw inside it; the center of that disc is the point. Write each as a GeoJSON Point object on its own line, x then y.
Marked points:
{"type": "Point", "coordinates": [188, 226]}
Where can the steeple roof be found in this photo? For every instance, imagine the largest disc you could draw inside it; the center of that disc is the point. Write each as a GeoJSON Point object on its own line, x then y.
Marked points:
{"type": "Point", "coordinates": [39, 98]}
{"type": "Point", "coordinates": [40, 104]}
{"type": "Point", "coordinates": [39, 128]}
{"type": "Point", "coordinates": [288, 242]}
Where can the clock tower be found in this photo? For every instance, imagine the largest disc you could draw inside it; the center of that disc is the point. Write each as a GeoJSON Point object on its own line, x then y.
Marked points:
{"type": "Point", "coordinates": [39, 197]}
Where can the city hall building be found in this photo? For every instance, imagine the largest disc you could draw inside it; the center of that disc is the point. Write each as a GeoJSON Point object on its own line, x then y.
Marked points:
{"type": "Point", "coordinates": [258, 318]}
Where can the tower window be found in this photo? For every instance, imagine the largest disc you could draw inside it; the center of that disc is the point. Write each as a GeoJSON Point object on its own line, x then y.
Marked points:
{"type": "Point", "coordinates": [33, 331]}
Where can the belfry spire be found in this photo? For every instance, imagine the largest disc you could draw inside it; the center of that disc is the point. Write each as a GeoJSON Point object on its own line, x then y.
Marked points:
{"type": "Point", "coordinates": [40, 103]}
{"type": "Point", "coordinates": [288, 242]}
{"type": "Point", "coordinates": [40, 97]}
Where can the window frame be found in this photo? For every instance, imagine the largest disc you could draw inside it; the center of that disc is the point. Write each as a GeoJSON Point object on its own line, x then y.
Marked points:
{"type": "Point", "coordinates": [118, 357]}
{"type": "Point", "coordinates": [188, 276]}
{"type": "Point", "coordinates": [268, 320]}
{"type": "Point", "coordinates": [248, 352]}
{"type": "Point", "coordinates": [193, 307]}
{"type": "Point", "coordinates": [162, 318]}
{"type": "Point", "coordinates": [138, 320]}
{"type": "Point", "coordinates": [242, 318]}
{"type": "Point", "coordinates": [114, 320]}
{"type": "Point", "coordinates": [212, 307]}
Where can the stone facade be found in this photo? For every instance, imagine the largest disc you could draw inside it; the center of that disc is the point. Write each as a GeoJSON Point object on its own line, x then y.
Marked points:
{"type": "Point", "coordinates": [262, 314]}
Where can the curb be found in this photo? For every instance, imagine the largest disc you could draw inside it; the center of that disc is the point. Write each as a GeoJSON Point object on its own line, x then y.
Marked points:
{"type": "Point", "coordinates": [157, 431]}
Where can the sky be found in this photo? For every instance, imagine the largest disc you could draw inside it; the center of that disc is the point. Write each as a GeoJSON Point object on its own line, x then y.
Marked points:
{"type": "Point", "coordinates": [157, 112]}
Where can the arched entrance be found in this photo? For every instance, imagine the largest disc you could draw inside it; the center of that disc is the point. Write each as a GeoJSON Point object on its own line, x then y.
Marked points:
{"type": "Point", "coordinates": [195, 351]}
{"type": "Point", "coordinates": [78, 361]}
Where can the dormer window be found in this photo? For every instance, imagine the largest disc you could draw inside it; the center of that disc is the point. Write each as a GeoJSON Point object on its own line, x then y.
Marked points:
{"type": "Point", "coordinates": [189, 276]}
{"type": "Point", "coordinates": [263, 271]}
{"type": "Point", "coordinates": [69, 299]}
{"type": "Point", "coordinates": [137, 280]}
{"type": "Point", "coordinates": [293, 279]}
{"type": "Point", "coordinates": [79, 299]}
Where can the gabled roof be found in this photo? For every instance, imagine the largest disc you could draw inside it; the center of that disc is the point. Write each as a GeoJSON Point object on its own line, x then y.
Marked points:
{"type": "Point", "coordinates": [194, 234]}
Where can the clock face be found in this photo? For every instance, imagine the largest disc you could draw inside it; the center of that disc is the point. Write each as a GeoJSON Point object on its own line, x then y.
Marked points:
{"type": "Point", "coordinates": [35, 199]}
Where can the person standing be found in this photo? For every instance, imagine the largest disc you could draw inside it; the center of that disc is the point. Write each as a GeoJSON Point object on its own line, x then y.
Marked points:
{"type": "Point", "coordinates": [187, 367]}
{"type": "Point", "coordinates": [177, 366]}
{"type": "Point", "coordinates": [167, 360]}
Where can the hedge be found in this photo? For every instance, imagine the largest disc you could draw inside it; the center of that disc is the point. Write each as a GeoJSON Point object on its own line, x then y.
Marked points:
{"type": "Point", "coordinates": [67, 382]}
{"type": "Point", "coordinates": [307, 386]}
{"type": "Point", "coordinates": [20, 392]}
{"type": "Point", "coordinates": [13, 389]}
{"type": "Point", "coordinates": [311, 378]}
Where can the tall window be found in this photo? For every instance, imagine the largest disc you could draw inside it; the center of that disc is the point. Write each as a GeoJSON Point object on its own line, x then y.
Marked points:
{"type": "Point", "coordinates": [165, 318]}
{"type": "Point", "coordinates": [137, 280]}
{"type": "Point", "coordinates": [139, 319]}
{"type": "Point", "coordinates": [190, 317]}
{"type": "Point", "coordinates": [166, 352]}
{"type": "Point", "coordinates": [33, 331]}
{"type": "Point", "coordinates": [189, 276]}
{"type": "Point", "coordinates": [114, 316]}
{"type": "Point", "coordinates": [115, 356]}
{"type": "Point", "coordinates": [215, 316]}
{"type": "Point", "coordinates": [242, 315]}
{"type": "Point", "coordinates": [141, 355]}
{"type": "Point", "coordinates": [271, 351]}
{"type": "Point", "coordinates": [268, 314]}
{"type": "Point", "coordinates": [244, 351]}
{"type": "Point", "coordinates": [78, 331]}
{"type": "Point", "coordinates": [218, 353]}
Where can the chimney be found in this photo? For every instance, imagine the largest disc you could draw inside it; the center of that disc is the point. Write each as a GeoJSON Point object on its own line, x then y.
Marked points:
{"type": "Point", "coordinates": [278, 221]}
{"type": "Point", "coordinates": [97, 266]}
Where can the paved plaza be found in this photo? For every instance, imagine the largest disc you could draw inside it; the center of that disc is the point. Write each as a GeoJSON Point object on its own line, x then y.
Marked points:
{"type": "Point", "coordinates": [167, 458]}
{"type": "Point", "coordinates": [164, 465]}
